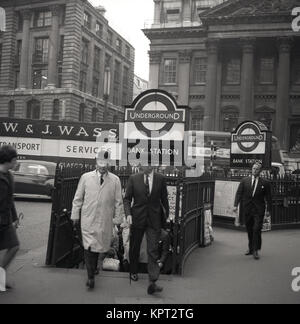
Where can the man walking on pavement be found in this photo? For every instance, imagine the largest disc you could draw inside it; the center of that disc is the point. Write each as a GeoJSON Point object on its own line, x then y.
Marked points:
{"type": "Point", "coordinates": [253, 195]}
{"type": "Point", "coordinates": [98, 204]}
{"type": "Point", "coordinates": [148, 192]}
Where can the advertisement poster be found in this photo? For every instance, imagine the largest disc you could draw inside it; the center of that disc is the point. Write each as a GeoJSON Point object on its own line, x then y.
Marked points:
{"type": "Point", "coordinates": [208, 231]}
{"type": "Point", "coordinates": [225, 192]}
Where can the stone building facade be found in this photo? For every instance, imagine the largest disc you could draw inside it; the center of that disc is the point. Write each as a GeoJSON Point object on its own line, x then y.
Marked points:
{"type": "Point", "coordinates": [61, 60]}
{"type": "Point", "coordinates": [239, 60]}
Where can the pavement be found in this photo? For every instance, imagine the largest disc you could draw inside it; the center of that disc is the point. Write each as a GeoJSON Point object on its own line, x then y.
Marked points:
{"type": "Point", "coordinates": [217, 274]}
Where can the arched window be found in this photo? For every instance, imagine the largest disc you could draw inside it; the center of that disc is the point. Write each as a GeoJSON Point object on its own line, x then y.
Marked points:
{"type": "Point", "coordinates": [230, 118]}
{"type": "Point", "coordinates": [33, 109]}
{"type": "Point", "coordinates": [55, 112]}
{"type": "Point", "coordinates": [265, 115]}
{"type": "Point", "coordinates": [82, 112]}
{"type": "Point", "coordinates": [197, 119]}
{"type": "Point", "coordinates": [11, 109]}
{"type": "Point", "coordinates": [94, 115]}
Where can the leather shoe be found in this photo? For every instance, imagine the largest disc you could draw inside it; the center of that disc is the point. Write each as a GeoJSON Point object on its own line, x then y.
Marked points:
{"type": "Point", "coordinates": [90, 283]}
{"type": "Point", "coordinates": [134, 277]}
{"type": "Point", "coordinates": [256, 255]}
{"type": "Point", "coordinates": [249, 253]}
{"type": "Point", "coordinates": [153, 288]}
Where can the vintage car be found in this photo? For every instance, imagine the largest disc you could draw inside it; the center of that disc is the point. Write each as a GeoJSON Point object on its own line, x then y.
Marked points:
{"type": "Point", "coordinates": [34, 179]}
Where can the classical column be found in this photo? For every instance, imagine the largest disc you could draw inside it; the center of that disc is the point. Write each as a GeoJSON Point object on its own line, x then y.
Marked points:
{"type": "Point", "coordinates": [25, 49]}
{"type": "Point", "coordinates": [155, 61]}
{"type": "Point", "coordinates": [184, 77]}
{"type": "Point", "coordinates": [283, 92]}
{"type": "Point", "coordinates": [187, 12]}
{"type": "Point", "coordinates": [246, 103]}
{"type": "Point", "coordinates": [53, 48]}
{"type": "Point", "coordinates": [211, 84]}
{"type": "Point", "coordinates": [157, 11]}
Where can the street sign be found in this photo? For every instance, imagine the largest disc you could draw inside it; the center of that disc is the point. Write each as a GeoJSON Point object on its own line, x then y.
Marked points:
{"type": "Point", "coordinates": [155, 126]}
{"type": "Point", "coordinates": [251, 142]}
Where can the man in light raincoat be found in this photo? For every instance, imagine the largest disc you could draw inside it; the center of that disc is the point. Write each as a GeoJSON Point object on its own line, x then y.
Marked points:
{"type": "Point", "coordinates": [98, 205]}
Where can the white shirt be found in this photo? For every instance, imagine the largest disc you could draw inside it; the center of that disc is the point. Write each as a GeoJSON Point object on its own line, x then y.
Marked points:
{"type": "Point", "coordinates": [151, 176]}
{"type": "Point", "coordinates": [256, 183]}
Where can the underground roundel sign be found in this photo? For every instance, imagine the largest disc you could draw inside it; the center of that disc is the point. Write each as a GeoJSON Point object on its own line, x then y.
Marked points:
{"type": "Point", "coordinates": [155, 115]}
{"type": "Point", "coordinates": [251, 142]}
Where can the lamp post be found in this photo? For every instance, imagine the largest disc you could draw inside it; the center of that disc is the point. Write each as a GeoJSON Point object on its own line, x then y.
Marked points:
{"type": "Point", "coordinates": [107, 77]}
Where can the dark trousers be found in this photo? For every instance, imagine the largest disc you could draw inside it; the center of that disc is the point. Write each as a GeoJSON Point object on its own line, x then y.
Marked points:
{"type": "Point", "coordinates": [254, 225]}
{"type": "Point", "coordinates": [153, 237]}
{"type": "Point", "coordinates": [91, 262]}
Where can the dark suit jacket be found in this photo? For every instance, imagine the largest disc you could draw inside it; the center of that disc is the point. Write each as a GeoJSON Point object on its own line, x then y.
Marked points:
{"type": "Point", "coordinates": [147, 211]}
{"type": "Point", "coordinates": [262, 196]}
{"type": "Point", "coordinates": [8, 213]}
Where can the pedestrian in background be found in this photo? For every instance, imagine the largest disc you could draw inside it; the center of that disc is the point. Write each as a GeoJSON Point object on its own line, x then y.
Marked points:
{"type": "Point", "coordinates": [8, 215]}
{"type": "Point", "coordinates": [254, 196]}
{"type": "Point", "coordinates": [145, 201]}
{"type": "Point", "coordinates": [97, 205]}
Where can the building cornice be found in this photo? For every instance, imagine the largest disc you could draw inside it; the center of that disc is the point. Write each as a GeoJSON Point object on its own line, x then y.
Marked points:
{"type": "Point", "coordinates": [179, 32]}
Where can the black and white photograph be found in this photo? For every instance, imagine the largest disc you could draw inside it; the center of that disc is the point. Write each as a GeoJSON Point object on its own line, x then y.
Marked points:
{"type": "Point", "coordinates": [149, 154]}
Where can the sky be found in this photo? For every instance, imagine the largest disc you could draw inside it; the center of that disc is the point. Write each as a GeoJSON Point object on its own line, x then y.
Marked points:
{"type": "Point", "coordinates": [128, 17]}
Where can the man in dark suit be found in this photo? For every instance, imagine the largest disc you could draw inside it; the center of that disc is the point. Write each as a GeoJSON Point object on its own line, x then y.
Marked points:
{"type": "Point", "coordinates": [253, 194]}
{"type": "Point", "coordinates": [148, 192]}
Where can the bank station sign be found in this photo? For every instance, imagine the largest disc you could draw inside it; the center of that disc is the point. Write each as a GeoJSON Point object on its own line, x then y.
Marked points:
{"type": "Point", "coordinates": [250, 142]}
{"type": "Point", "coordinates": [155, 124]}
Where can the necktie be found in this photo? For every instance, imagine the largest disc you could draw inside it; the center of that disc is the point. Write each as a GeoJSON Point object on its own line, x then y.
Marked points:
{"type": "Point", "coordinates": [253, 186]}
{"type": "Point", "coordinates": [147, 186]}
{"type": "Point", "coordinates": [101, 181]}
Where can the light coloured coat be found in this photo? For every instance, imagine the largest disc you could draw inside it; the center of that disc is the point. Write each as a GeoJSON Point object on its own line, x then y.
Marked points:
{"type": "Point", "coordinates": [99, 208]}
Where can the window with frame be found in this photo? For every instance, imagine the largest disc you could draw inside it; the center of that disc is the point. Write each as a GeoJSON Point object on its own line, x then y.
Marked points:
{"type": "Point", "coordinates": [55, 111]}
{"type": "Point", "coordinates": [127, 51]}
{"type": "Point", "coordinates": [87, 20]}
{"type": "Point", "coordinates": [197, 120]}
{"type": "Point", "coordinates": [41, 52]}
{"type": "Point", "coordinates": [33, 110]}
{"type": "Point", "coordinates": [19, 52]}
{"type": "Point", "coordinates": [266, 70]}
{"type": "Point", "coordinates": [59, 76]}
{"type": "Point", "coordinates": [233, 71]}
{"type": "Point", "coordinates": [200, 68]}
{"type": "Point", "coordinates": [40, 79]}
{"type": "Point", "coordinates": [11, 109]}
{"type": "Point", "coordinates": [43, 19]}
{"type": "Point", "coordinates": [94, 115]}
{"type": "Point", "coordinates": [83, 81]}
{"type": "Point", "coordinates": [117, 72]}
{"type": "Point", "coordinates": [230, 120]}
{"type": "Point", "coordinates": [109, 37]}
{"type": "Point", "coordinates": [17, 79]}
{"type": "Point", "coordinates": [85, 52]}
{"type": "Point", "coordinates": [170, 71]}
{"type": "Point", "coordinates": [97, 57]}
{"type": "Point", "coordinates": [82, 108]}
{"type": "Point", "coordinates": [99, 29]}
{"type": "Point", "coordinates": [95, 89]}
{"type": "Point", "coordinates": [61, 48]}
{"type": "Point", "coordinates": [119, 45]}
{"type": "Point", "coordinates": [19, 22]}
{"type": "Point", "coordinates": [107, 60]}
